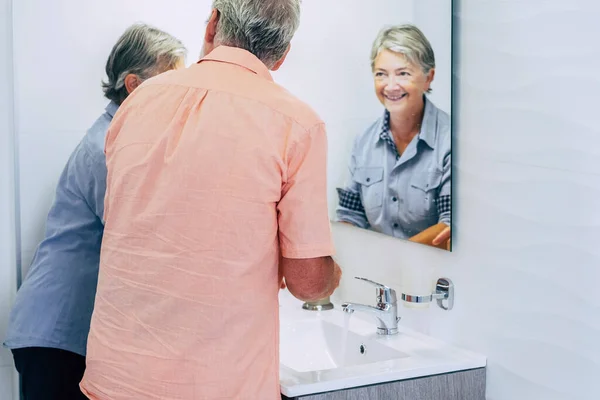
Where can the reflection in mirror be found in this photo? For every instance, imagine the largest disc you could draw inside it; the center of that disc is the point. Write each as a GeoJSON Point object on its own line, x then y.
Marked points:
{"type": "Point", "coordinates": [379, 75]}
{"type": "Point", "coordinates": [399, 169]}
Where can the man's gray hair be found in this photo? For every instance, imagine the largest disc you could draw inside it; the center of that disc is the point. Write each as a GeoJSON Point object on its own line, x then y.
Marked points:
{"type": "Point", "coordinates": [142, 50]}
{"type": "Point", "coordinates": [408, 40]}
{"type": "Point", "coordinates": [264, 28]}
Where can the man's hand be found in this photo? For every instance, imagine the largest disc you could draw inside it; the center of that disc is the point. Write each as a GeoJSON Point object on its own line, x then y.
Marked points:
{"type": "Point", "coordinates": [336, 281]}
{"type": "Point", "coordinates": [337, 275]}
{"type": "Point", "coordinates": [310, 279]}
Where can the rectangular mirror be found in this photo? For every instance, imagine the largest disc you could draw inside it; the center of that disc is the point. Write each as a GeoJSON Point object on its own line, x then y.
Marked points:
{"type": "Point", "coordinates": [379, 74]}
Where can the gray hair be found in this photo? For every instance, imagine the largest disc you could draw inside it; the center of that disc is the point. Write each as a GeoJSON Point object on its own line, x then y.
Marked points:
{"type": "Point", "coordinates": [407, 40]}
{"type": "Point", "coordinates": [264, 28]}
{"type": "Point", "coordinates": [142, 50]}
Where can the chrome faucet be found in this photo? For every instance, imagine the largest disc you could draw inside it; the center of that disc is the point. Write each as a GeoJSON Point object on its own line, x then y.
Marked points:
{"type": "Point", "coordinates": [385, 311]}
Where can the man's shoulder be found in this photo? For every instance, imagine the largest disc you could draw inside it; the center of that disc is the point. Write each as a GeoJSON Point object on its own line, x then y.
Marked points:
{"type": "Point", "coordinates": [288, 104]}
{"type": "Point", "coordinates": [254, 89]}
{"type": "Point", "coordinates": [240, 89]}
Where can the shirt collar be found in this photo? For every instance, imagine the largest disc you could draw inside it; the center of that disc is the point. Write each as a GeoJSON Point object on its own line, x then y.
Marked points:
{"type": "Point", "coordinates": [111, 109]}
{"type": "Point", "coordinates": [428, 125]}
{"type": "Point", "coordinates": [386, 135]}
{"type": "Point", "coordinates": [240, 57]}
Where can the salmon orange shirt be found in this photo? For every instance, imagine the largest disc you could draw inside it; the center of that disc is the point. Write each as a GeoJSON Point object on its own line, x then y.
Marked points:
{"type": "Point", "coordinates": [213, 171]}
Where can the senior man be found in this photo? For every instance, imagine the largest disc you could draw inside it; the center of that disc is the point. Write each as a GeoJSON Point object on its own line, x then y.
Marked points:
{"type": "Point", "coordinates": [216, 182]}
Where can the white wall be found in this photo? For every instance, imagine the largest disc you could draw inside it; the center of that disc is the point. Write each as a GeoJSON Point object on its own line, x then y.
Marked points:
{"type": "Point", "coordinates": [526, 223]}
{"type": "Point", "coordinates": [8, 279]}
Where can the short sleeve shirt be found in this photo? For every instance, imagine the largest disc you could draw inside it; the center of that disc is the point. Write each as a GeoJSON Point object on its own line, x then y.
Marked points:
{"type": "Point", "coordinates": [213, 172]}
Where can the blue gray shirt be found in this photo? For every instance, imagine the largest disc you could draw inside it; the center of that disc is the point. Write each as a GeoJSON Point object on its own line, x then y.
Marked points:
{"type": "Point", "coordinates": [399, 194]}
{"type": "Point", "coordinates": [54, 305]}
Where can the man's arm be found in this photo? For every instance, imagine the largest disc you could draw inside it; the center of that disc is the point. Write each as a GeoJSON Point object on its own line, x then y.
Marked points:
{"type": "Point", "coordinates": [304, 228]}
{"type": "Point", "coordinates": [311, 279]}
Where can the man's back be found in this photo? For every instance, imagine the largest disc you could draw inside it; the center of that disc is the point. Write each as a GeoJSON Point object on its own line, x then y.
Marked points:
{"type": "Point", "coordinates": [212, 172]}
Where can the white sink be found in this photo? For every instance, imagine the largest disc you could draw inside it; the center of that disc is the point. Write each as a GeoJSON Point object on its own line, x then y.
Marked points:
{"type": "Point", "coordinates": [317, 345]}
{"type": "Point", "coordinates": [316, 357]}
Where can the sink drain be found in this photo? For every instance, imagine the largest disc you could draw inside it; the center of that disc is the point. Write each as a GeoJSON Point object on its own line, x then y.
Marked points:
{"type": "Point", "coordinates": [362, 349]}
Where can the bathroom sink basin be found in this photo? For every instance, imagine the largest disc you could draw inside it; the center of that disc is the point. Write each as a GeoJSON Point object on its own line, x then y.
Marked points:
{"type": "Point", "coordinates": [323, 351]}
{"type": "Point", "coordinates": [316, 345]}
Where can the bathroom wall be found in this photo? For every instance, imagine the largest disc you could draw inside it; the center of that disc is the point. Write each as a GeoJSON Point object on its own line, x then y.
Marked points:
{"type": "Point", "coordinates": [526, 218]}
{"type": "Point", "coordinates": [526, 173]}
{"type": "Point", "coordinates": [8, 280]}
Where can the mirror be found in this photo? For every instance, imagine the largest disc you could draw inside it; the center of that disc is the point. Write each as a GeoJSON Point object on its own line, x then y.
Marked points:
{"type": "Point", "coordinates": [379, 75]}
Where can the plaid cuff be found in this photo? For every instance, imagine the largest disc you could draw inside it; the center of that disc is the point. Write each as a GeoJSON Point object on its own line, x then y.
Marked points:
{"type": "Point", "coordinates": [444, 204]}
{"type": "Point", "coordinates": [350, 200]}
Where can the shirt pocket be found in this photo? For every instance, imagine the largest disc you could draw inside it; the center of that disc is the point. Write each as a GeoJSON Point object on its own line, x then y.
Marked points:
{"type": "Point", "coordinates": [424, 187]}
{"type": "Point", "coordinates": [370, 180]}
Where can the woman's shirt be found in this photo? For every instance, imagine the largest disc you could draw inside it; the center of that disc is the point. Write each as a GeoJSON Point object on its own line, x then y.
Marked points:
{"type": "Point", "coordinates": [54, 305]}
{"type": "Point", "coordinates": [396, 194]}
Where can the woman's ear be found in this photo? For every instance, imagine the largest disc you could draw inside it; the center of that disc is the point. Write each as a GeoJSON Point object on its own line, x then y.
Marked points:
{"type": "Point", "coordinates": [132, 81]}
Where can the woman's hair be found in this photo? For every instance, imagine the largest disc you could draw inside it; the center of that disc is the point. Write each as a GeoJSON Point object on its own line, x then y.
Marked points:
{"type": "Point", "coordinates": [144, 51]}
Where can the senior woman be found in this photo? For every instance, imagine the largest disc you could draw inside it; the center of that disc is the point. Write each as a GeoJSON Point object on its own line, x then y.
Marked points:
{"type": "Point", "coordinates": [400, 166]}
{"type": "Point", "coordinates": [50, 321]}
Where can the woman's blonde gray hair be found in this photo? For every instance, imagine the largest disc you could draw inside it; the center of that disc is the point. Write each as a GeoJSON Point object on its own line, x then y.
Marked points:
{"type": "Point", "coordinates": [142, 50]}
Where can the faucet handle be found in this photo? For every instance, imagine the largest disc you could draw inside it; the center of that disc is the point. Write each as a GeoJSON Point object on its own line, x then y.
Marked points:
{"type": "Point", "coordinates": [379, 285]}
{"type": "Point", "coordinates": [385, 294]}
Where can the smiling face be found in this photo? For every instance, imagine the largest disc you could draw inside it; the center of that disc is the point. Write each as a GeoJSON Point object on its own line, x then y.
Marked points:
{"type": "Point", "coordinates": [400, 84]}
